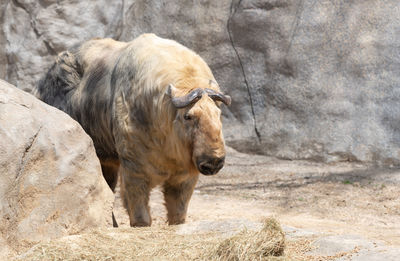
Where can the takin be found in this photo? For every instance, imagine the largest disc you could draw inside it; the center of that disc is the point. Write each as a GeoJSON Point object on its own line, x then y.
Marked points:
{"type": "Point", "coordinates": [152, 109]}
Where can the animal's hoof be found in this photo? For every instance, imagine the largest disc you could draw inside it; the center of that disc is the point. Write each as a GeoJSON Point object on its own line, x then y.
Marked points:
{"type": "Point", "coordinates": [140, 224]}
{"type": "Point", "coordinates": [176, 222]}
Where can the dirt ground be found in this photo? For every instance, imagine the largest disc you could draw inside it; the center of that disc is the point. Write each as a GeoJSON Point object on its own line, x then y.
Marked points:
{"type": "Point", "coordinates": [338, 198]}
{"type": "Point", "coordinates": [338, 211]}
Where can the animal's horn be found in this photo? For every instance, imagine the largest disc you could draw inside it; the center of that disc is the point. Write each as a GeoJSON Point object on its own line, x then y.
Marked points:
{"type": "Point", "coordinates": [184, 101]}
{"type": "Point", "coordinates": [216, 96]}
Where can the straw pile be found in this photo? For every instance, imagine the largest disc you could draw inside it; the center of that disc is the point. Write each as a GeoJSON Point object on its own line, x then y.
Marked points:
{"type": "Point", "coordinates": [249, 245]}
{"type": "Point", "coordinates": [162, 243]}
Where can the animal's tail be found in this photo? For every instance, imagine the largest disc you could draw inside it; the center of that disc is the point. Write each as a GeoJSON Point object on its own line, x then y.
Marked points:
{"type": "Point", "coordinates": [62, 78]}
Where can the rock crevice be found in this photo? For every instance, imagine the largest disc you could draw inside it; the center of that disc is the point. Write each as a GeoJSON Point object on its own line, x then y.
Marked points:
{"type": "Point", "coordinates": [233, 9]}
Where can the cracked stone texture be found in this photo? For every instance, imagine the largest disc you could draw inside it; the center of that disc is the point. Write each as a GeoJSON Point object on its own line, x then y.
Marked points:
{"type": "Point", "coordinates": [51, 183]}
{"type": "Point", "coordinates": [309, 79]}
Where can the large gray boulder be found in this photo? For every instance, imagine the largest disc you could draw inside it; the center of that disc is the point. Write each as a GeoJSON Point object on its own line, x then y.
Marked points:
{"type": "Point", "coordinates": [309, 79]}
{"type": "Point", "coordinates": [51, 183]}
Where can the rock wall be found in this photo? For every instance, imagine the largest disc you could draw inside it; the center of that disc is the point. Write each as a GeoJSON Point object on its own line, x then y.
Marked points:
{"type": "Point", "coordinates": [309, 79]}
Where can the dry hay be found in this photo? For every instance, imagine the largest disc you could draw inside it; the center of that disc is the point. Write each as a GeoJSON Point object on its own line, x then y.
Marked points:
{"type": "Point", "coordinates": [253, 245]}
{"type": "Point", "coordinates": [162, 243]}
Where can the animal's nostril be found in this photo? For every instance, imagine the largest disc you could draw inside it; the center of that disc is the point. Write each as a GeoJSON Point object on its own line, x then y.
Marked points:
{"type": "Point", "coordinates": [206, 168]}
{"type": "Point", "coordinates": [211, 166]}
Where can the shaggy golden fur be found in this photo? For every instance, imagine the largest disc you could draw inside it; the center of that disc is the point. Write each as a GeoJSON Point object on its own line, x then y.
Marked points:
{"type": "Point", "coordinates": [120, 100]}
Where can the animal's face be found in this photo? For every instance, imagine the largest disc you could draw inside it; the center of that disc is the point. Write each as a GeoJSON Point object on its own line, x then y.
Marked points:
{"type": "Point", "coordinates": [199, 123]}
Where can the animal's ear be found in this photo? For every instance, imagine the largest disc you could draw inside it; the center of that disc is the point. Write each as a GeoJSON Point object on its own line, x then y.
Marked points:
{"type": "Point", "coordinates": [170, 90]}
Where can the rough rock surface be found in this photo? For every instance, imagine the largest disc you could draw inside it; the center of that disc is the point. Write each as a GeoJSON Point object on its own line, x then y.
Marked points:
{"type": "Point", "coordinates": [50, 178]}
{"type": "Point", "coordinates": [364, 249]}
{"type": "Point", "coordinates": [309, 79]}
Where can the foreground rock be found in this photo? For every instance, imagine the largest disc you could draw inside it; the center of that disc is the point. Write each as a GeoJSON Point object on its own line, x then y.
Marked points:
{"type": "Point", "coordinates": [355, 248]}
{"type": "Point", "coordinates": [309, 79]}
{"type": "Point", "coordinates": [50, 178]}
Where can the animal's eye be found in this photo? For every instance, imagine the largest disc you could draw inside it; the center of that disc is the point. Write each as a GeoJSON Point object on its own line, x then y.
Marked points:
{"type": "Point", "coordinates": [187, 117]}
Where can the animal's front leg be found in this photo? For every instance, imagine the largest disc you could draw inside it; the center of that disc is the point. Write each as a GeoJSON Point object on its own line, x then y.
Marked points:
{"type": "Point", "coordinates": [177, 198]}
{"type": "Point", "coordinates": [135, 193]}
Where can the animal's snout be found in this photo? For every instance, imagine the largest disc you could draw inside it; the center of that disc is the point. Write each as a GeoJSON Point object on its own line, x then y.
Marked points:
{"type": "Point", "coordinates": [210, 165]}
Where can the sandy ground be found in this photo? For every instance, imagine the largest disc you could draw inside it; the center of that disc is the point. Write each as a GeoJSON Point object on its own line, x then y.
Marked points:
{"type": "Point", "coordinates": [338, 199]}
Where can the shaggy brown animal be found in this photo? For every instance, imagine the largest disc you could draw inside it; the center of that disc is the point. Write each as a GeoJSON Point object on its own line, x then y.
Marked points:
{"type": "Point", "coordinates": [152, 108]}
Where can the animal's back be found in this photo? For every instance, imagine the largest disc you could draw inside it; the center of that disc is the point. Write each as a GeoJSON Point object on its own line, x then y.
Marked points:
{"type": "Point", "coordinates": [78, 84]}
{"type": "Point", "coordinates": [72, 67]}
{"type": "Point", "coordinates": [165, 61]}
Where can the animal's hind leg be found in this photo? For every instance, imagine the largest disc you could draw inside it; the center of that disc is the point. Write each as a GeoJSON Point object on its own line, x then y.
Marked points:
{"type": "Point", "coordinates": [110, 172]}
{"type": "Point", "coordinates": [135, 192]}
{"type": "Point", "coordinates": [177, 198]}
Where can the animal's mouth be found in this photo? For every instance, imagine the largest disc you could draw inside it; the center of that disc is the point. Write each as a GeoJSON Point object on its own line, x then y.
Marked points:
{"type": "Point", "coordinates": [210, 165]}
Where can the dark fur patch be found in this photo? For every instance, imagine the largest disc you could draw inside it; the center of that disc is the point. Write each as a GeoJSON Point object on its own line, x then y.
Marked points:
{"type": "Point", "coordinates": [123, 72]}
{"type": "Point", "coordinates": [140, 116]}
{"type": "Point", "coordinates": [114, 75]}
{"type": "Point", "coordinates": [63, 77]}
{"type": "Point", "coordinates": [95, 110]}
{"type": "Point", "coordinates": [173, 191]}
{"type": "Point", "coordinates": [176, 190]}
{"type": "Point", "coordinates": [135, 167]}
{"type": "Point", "coordinates": [95, 76]}
{"type": "Point", "coordinates": [123, 75]}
